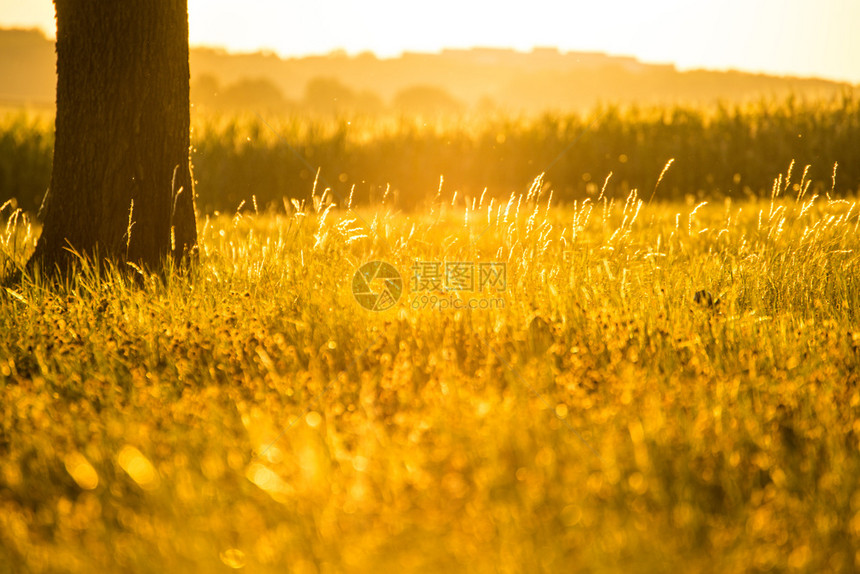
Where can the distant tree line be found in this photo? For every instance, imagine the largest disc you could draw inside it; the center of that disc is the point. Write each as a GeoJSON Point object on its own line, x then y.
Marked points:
{"type": "Point", "coordinates": [323, 96]}
{"type": "Point", "coordinates": [532, 82]}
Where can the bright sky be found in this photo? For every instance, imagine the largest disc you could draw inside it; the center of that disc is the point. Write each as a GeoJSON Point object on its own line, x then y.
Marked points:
{"type": "Point", "coordinates": [798, 37]}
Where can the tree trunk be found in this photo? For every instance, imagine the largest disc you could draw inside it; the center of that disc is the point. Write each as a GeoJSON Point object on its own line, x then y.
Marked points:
{"type": "Point", "coordinates": [121, 184]}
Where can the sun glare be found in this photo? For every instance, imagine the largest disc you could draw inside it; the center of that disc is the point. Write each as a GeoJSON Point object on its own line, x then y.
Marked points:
{"type": "Point", "coordinates": [798, 37]}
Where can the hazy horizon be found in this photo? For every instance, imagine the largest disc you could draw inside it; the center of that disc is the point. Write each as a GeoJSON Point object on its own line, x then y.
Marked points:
{"type": "Point", "coordinates": [790, 38]}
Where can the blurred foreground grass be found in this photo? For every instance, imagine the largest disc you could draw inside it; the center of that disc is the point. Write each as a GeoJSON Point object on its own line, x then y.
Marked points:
{"type": "Point", "coordinates": [254, 416]}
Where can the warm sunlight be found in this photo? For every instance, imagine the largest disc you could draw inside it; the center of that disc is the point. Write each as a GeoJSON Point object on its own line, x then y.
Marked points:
{"type": "Point", "coordinates": [453, 286]}
{"type": "Point", "coordinates": [797, 37]}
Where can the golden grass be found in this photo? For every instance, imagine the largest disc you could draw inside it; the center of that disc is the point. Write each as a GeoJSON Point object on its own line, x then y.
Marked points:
{"type": "Point", "coordinates": [254, 416]}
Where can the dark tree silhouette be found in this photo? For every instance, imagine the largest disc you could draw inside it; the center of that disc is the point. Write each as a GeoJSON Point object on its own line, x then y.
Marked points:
{"type": "Point", "coordinates": [121, 182]}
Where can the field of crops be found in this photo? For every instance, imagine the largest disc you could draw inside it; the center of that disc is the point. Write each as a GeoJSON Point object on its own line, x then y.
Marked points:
{"type": "Point", "coordinates": [729, 151]}
{"type": "Point", "coordinates": [600, 414]}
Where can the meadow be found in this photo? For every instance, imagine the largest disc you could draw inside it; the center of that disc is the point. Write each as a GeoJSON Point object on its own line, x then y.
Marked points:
{"type": "Point", "coordinates": [251, 414]}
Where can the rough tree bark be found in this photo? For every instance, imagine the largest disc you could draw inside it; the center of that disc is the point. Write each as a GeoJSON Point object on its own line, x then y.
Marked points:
{"type": "Point", "coordinates": [121, 153]}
